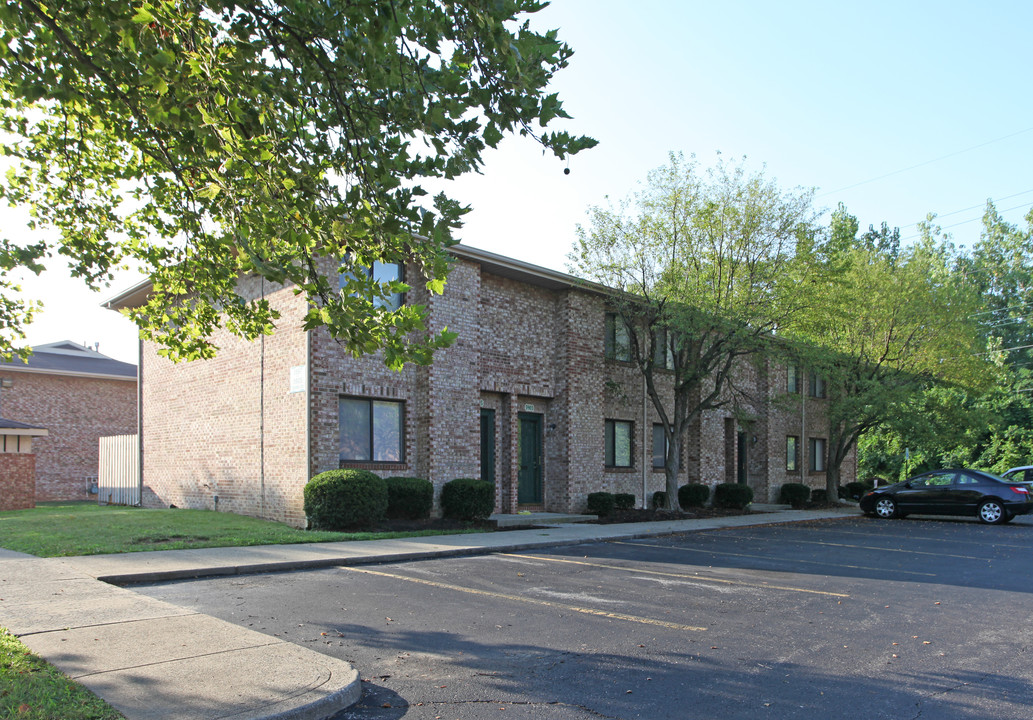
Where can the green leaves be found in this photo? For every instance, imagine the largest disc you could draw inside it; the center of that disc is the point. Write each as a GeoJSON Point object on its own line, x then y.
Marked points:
{"type": "Point", "coordinates": [205, 140]}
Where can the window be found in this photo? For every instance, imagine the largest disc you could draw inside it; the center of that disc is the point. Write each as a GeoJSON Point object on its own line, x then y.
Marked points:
{"type": "Point", "coordinates": [659, 446]}
{"type": "Point", "coordinates": [663, 353]}
{"type": "Point", "coordinates": [371, 430]}
{"type": "Point", "coordinates": [817, 454]}
{"type": "Point", "coordinates": [792, 380]}
{"type": "Point", "coordinates": [487, 444]}
{"type": "Point", "coordinates": [382, 273]}
{"type": "Point", "coordinates": [618, 343]}
{"type": "Point", "coordinates": [618, 443]}
{"type": "Point", "coordinates": [792, 453]}
{"type": "Point", "coordinates": [817, 385]}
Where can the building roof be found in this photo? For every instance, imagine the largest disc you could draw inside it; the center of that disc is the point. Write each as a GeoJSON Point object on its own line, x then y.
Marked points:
{"type": "Point", "coordinates": [13, 427]}
{"type": "Point", "coordinates": [501, 265]}
{"type": "Point", "coordinates": [70, 358]}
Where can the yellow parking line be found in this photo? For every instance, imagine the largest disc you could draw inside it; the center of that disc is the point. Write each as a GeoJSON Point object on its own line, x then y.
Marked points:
{"type": "Point", "coordinates": [696, 578]}
{"type": "Point", "coordinates": [768, 557]}
{"type": "Point", "coordinates": [533, 601]}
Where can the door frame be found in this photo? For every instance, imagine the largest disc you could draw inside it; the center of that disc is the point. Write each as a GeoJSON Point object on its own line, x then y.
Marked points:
{"type": "Point", "coordinates": [539, 476]}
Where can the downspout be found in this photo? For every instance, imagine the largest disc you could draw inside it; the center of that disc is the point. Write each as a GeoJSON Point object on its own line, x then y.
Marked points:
{"type": "Point", "coordinates": [261, 419]}
{"type": "Point", "coordinates": [646, 450]}
{"type": "Point", "coordinates": [804, 446]}
{"type": "Point", "coordinates": [308, 405]}
{"type": "Point", "coordinates": [139, 422]}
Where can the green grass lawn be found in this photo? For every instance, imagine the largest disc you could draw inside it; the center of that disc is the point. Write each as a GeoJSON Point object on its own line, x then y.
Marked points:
{"type": "Point", "coordinates": [32, 689]}
{"type": "Point", "coordinates": [63, 529]}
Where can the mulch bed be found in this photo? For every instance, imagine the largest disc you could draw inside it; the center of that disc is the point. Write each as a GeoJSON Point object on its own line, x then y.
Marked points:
{"type": "Point", "coordinates": [651, 515]}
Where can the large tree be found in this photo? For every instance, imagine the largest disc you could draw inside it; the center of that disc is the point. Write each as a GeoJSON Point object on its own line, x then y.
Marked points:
{"type": "Point", "coordinates": [705, 265]}
{"type": "Point", "coordinates": [206, 139]}
{"type": "Point", "coordinates": [883, 324]}
{"type": "Point", "coordinates": [988, 426]}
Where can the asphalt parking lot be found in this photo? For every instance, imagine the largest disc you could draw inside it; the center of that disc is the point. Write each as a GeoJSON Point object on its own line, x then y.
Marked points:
{"type": "Point", "coordinates": [850, 618]}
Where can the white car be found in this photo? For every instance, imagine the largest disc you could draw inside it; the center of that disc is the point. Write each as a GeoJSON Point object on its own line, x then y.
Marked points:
{"type": "Point", "coordinates": [1023, 473]}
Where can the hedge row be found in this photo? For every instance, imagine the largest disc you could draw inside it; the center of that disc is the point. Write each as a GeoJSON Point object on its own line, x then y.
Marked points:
{"type": "Point", "coordinates": [349, 499]}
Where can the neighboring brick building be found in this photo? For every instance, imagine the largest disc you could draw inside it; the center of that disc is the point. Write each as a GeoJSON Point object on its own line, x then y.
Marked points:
{"type": "Point", "coordinates": [79, 396]}
{"type": "Point", "coordinates": [18, 464]}
{"type": "Point", "coordinates": [526, 397]}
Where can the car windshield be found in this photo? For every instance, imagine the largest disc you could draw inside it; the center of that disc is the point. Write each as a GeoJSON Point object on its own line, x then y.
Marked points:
{"type": "Point", "coordinates": [982, 474]}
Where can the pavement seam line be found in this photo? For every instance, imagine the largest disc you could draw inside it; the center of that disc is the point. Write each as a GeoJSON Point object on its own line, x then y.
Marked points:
{"type": "Point", "coordinates": [765, 557]}
{"type": "Point", "coordinates": [534, 601]}
{"type": "Point", "coordinates": [184, 659]}
{"type": "Point", "coordinates": [878, 549]}
{"type": "Point", "coordinates": [69, 628]}
{"type": "Point", "coordinates": [699, 578]}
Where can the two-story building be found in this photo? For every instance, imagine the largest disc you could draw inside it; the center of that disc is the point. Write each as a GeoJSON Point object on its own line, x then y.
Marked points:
{"type": "Point", "coordinates": [528, 397]}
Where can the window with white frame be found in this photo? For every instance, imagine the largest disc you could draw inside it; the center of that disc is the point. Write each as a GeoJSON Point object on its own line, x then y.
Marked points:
{"type": "Point", "coordinates": [618, 443]}
{"type": "Point", "coordinates": [371, 430]}
{"type": "Point", "coordinates": [817, 386]}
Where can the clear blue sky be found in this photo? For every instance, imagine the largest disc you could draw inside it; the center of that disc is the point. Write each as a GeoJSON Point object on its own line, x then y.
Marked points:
{"type": "Point", "coordinates": [896, 109]}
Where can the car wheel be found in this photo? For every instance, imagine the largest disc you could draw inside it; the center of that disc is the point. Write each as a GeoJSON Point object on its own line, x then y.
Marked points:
{"type": "Point", "coordinates": [885, 507]}
{"type": "Point", "coordinates": [992, 512]}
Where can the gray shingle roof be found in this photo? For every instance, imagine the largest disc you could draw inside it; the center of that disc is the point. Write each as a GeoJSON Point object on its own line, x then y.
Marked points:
{"type": "Point", "coordinates": [6, 424]}
{"type": "Point", "coordinates": [69, 357]}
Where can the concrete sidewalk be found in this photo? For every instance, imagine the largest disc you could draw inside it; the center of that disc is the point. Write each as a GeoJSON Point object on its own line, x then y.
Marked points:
{"type": "Point", "coordinates": [151, 659]}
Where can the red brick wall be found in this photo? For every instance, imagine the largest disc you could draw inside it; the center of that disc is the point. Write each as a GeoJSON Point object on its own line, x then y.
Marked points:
{"type": "Point", "coordinates": [229, 428]}
{"type": "Point", "coordinates": [77, 412]}
{"type": "Point", "coordinates": [17, 480]}
{"type": "Point", "coordinates": [521, 348]}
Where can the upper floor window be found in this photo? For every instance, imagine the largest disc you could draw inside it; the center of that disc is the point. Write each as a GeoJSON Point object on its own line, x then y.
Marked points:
{"type": "Point", "coordinates": [618, 340]}
{"type": "Point", "coordinates": [663, 353]}
{"type": "Point", "coordinates": [618, 443]}
{"type": "Point", "coordinates": [792, 380]}
{"type": "Point", "coordinates": [382, 273]}
{"type": "Point", "coordinates": [371, 430]}
{"type": "Point", "coordinates": [817, 385]}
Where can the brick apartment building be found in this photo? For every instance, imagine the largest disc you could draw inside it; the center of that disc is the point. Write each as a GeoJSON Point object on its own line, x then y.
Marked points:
{"type": "Point", "coordinates": [526, 397]}
{"type": "Point", "coordinates": [79, 395]}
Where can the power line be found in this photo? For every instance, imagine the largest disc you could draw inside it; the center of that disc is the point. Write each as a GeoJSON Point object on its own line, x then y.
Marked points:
{"type": "Point", "coordinates": [973, 207]}
{"type": "Point", "coordinates": [966, 222]}
{"type": "Point", "coordinates": [922, 164]}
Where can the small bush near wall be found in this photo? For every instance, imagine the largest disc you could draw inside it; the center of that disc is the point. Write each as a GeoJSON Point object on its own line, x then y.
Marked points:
{"type": "Point", "coordinates": [795, 494]}
{"type": "Point", "coordinates": [409, 498]}
{"type": "Point", "coordinates": [733, 496]}
{"type": "Point", "coordinates": [343, 499]}
{"type": "Point", "coordinates": [601, 503]}
{"type": "Point", "coordinates": [467, 499]}
{"type": "Point", "coordinates": [854, 490]}
{"type": "Point", "coordinates": [693, 495]}
{"type": "Point", "coordinates": [820, 496]}
{"type": "Point", "coordinates": [624, 501]}
{"type": "Point", "coordinates": [659, 499]}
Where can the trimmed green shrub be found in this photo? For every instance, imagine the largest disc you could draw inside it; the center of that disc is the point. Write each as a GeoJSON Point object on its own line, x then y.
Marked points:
{"type": "Point", "coordinates": [624, 501]}
{"type": "Point", "coordinates": [693, 495]}
{"type": "Point", "coordinates": [659, 499]}
{"type": "Point", "coordinates": [854, 490]}
{"type": "Point", "coordinates": [733, 495]}
{"type": "Point", "coordinates": [467, 499]}
{"type": "Point", "coordinates": [343, 499]}
{"type": "Point", "coordinates": [601, 503]}
{"type": "Point", "coordinates": [409, 498]}
{"type": "Point", "coordinates": [820, 495]}
{"type": "Point", "coordinates": [795, 494]}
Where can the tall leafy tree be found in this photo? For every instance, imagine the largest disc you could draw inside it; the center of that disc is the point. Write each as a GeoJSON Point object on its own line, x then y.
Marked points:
{"type": "Point", "coordinates": [206, 139]}
{"type": "Point", "coordinates": [705, 264]}
{"type": "Point", "coordinates": [884, 323]}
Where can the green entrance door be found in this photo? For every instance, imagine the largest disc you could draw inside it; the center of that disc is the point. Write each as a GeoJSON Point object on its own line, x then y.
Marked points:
{"type": "Point", "coordinates": [529, 444]}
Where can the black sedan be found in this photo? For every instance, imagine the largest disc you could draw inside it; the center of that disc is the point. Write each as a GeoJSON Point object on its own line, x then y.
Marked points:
{"type": "Point", "coordinates": [951, 492]}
